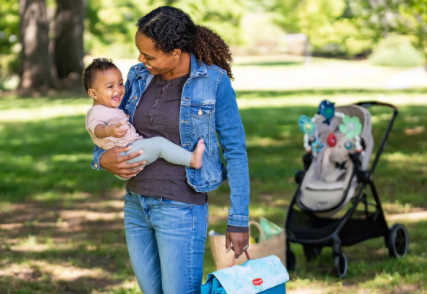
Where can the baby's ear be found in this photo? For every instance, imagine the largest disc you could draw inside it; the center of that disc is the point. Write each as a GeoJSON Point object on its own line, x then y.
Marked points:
{"type": "Point", "coordinates": [92, 93]}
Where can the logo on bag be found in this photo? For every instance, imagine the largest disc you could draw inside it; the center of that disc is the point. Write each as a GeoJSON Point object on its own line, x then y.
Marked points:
{"type": "Point", "coordinates": [257, 282]}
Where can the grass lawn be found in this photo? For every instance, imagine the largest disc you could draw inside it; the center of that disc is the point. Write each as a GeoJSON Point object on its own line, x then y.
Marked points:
{"type": "Point", "coordinates": [61, 223]}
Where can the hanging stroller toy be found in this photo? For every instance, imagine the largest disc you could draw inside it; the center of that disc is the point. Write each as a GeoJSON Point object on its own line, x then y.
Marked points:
{"type": "Point", "coordinates": [338, 143]}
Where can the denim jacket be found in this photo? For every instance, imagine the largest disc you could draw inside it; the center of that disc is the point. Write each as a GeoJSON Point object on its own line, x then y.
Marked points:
{"type": "Point", "coordinates": [208, 109]}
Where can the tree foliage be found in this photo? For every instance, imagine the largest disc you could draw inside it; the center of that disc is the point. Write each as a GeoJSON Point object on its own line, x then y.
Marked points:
{"type": "Point", "coordinates": [9, 37]}
{"type": "Point", "coordinates": [329, 24]}
{"type": "Point", "coordinates": [405, 17]}
{"type": "Point", "coordinates": [111, 24]}
{"type": "Point", "coordinates": [352, 27]}
{"type": "Point", "coordinates": [9, 25]}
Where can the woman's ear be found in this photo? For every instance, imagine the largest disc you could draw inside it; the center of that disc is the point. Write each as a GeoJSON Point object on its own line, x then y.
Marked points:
{"type": "Point", "coordinates": [176, 53]}
{"type": "Point", "coordinates": [92, 93]}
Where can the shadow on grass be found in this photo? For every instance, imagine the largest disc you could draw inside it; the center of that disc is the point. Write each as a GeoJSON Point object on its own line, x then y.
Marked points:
{"type": "Point", "coordinates": [77, 247]}
{"type": "Point", "coordinates": [370, 265]}
{"type": "Point", "coordinates": [37, 283]}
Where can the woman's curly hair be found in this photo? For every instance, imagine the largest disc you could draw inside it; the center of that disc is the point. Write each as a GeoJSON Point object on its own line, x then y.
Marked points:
{"type": "Point", "coordinates": [170, 28]}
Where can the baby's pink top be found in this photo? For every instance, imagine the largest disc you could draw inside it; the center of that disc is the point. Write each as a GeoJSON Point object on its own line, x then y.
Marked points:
{"type": "Point", "coordinates": [100, 114]}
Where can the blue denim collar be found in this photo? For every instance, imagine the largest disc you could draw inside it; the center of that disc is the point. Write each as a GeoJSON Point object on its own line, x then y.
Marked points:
{"type": "Point", "coordinates": [196, 70]}
{"type": "Point", "coordinates": [141, 71]}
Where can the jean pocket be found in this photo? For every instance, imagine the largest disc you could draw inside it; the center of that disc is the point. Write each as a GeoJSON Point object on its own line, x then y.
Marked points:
{"type": "Point", "coordinates": [128, 195]}
{"type": "Point", "coordinates": [173, 202]}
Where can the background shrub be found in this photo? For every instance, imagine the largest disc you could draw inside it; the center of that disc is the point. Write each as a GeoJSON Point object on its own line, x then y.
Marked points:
{"type": "Point", "coordinates": [396, 50]}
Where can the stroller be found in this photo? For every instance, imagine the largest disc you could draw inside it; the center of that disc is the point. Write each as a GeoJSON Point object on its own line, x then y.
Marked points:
{"type": "Point", "coordinates": [334, 179]}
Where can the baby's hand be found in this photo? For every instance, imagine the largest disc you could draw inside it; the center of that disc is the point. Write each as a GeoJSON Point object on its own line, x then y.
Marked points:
{"type": "Point", "coordinates": [116, 131]}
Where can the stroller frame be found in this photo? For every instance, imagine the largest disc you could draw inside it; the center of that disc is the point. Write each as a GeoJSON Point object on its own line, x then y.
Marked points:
{"type": "Point", "coordinates": [347, 230]}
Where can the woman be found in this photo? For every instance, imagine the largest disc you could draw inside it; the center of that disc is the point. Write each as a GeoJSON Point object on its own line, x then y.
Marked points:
{"type": "Point", "coordinates": [181, 91]}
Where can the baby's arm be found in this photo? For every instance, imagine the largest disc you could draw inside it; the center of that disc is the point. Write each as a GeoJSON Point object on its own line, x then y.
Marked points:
{"type": "Point", "coordinates": [102, 131]}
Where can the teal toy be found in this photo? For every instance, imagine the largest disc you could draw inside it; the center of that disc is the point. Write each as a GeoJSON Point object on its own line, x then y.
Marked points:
{"type": "Point", "coordinates": [351, 126]}
{"type": "Point", "coordinates": [327, 109]}
{"type": "Point", "coordinates": [348, 145]}
{"type": "Point", "coordinates": [316, 146]}
{"type": "Point", "coordinates": [306, 125]}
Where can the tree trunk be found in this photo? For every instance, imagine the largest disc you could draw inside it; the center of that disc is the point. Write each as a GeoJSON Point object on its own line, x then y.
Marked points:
{"type": "Point", "coordinates": [35, 63]}
{"type": "Point", "coordinates": [68, 46]}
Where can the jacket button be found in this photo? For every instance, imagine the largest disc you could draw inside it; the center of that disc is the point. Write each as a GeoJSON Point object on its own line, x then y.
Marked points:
{"type": "Point", "coordinates": [134, 98]}
{"type": "Point", "coordinates": [96, 166]}
{"type": "Point", "coordinates": [200, 112]}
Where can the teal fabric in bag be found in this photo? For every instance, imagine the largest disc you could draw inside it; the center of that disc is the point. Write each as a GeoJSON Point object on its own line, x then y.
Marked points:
{"type": "Point", "coordinates": [265, 275]}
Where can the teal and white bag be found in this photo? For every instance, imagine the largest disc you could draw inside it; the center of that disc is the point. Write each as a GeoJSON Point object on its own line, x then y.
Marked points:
{"type": "Point", "coordinates": [265, 275]}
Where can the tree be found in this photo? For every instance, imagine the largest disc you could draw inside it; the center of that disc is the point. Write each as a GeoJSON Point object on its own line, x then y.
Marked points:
{"type": "Point", "coordinates": [35, 62]}
{"type": "Point", "coordinates": [68, 43]}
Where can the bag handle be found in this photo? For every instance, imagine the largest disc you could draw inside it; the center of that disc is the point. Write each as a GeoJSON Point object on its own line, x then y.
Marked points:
{"type": "Point", "coordinates": [261, 232]}
{"type": "Point", "coordinates": [262, 235]}
{"type": "Point", "coordinates": [234, 258]}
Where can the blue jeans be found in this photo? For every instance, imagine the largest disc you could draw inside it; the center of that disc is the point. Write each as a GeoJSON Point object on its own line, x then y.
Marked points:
{"type": "Point", "coordinates": [166, 242]}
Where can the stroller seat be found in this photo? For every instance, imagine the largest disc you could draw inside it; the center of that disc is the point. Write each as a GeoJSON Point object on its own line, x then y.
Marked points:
{"type": "Point", "coordinates": [318, 195]}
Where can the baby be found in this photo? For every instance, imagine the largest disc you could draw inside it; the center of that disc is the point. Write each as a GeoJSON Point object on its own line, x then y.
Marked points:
{"type": "Point", "coordinates": [108, 126]}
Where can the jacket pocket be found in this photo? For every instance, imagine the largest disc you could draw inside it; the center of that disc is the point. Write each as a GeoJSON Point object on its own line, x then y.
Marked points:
{"type": "Point", "coordinates": [202, 120]}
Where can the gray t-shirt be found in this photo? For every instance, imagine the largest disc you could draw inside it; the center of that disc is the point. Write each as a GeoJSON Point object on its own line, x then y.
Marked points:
{"type": "Point", "coordinates": [157, 114]}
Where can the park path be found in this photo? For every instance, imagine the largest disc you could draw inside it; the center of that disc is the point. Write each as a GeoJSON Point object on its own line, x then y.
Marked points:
{"type": "Point", "coordinates": [331, 74]}
{"type": "Point", "coordinates": [406, 79]}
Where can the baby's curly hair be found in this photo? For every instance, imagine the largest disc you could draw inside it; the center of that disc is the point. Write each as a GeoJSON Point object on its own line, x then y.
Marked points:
{"type": "Point", "coordinates": [97, 65]}
{"type": "Point", "coordinates": [170, 28]}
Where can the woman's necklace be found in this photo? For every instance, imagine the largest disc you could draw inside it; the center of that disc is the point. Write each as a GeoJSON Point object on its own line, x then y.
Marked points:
{"type": "Point", "coordinates": [153, 108]}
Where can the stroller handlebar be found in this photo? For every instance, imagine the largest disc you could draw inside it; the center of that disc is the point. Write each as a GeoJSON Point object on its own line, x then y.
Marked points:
{"type": "Point", "coordinates": [368, 104]}
{"type": "Point", "coordinates": [387, 132]}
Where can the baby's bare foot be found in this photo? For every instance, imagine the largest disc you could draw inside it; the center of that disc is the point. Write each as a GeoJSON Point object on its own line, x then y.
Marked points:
{"type": "Point", "coordinates": [196, 157]}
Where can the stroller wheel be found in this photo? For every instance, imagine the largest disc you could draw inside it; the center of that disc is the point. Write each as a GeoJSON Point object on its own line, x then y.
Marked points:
{"type": "Point", "coordinates": [398, 241]}
{"type": "Point", "coordinates": [311, 252]}
{"type": "Point", "coordinates": [341, 264]}
{"type": "Point", "coordinates": [290, 260]}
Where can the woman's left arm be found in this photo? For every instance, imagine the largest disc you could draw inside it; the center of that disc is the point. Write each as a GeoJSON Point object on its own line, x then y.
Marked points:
{"type": "Point", "coordinates": [232, 139]}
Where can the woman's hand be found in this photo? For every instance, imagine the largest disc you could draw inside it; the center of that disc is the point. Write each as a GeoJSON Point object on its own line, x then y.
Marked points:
{"type": "Point", "coordinates": [239, 241]}
{"type": "Point", "coordinates": [112, 161]}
